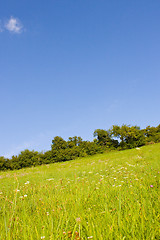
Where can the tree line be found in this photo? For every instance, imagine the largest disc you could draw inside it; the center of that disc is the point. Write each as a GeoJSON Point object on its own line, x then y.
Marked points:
{"type": "Point", "coordinates": [116, 138]}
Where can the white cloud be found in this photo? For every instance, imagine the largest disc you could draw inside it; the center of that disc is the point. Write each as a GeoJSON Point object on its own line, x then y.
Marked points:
{"type": "Point", "coordinates": [14, 25]}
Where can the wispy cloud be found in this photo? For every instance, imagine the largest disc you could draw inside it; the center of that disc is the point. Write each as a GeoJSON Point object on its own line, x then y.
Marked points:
{"type": "Point", "coordinates": [14, 25]}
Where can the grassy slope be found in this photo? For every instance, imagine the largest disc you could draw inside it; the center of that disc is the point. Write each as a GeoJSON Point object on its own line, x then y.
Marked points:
{"type": "Point", "coordinates": [108, 196]}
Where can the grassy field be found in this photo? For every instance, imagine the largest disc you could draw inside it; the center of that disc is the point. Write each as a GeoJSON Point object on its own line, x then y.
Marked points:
{"type": "Point", "coordinates": [108, 196]}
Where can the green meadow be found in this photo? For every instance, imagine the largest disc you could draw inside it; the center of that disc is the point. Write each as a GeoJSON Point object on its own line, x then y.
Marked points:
{"type": "Point", "coordinates": [113, 195]}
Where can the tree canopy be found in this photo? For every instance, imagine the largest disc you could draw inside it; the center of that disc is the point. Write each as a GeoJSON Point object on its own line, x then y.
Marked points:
{"type": "Point", "coordinates": [117, 137]}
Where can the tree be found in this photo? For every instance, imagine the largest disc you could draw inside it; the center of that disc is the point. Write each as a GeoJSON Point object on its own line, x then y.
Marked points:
{"type": "Point", "coordinates": [58, 143]}
{"type": "Point", "coordinates": [103, 137]}
{"type": "Point", "coordinates": [28, 158]}
{"type": "Point", "coordinates": [128, 136]}
{"type": "Point", "coordinates": [152, 134]}
{"type": "Point", "coordinates": [74, 141]}
{"type": "Point", "coordinates": [14, 163]}
{"type": "Point", "coordinates": [135, 137]}
{"type": "Point", "coordinates": [3, 163]}
{"type": "Point", "coordinates": [49, 157]}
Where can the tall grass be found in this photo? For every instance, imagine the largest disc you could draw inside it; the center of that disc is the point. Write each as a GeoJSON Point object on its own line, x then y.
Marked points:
{"type": "Point", "coordinates": [107, 196]}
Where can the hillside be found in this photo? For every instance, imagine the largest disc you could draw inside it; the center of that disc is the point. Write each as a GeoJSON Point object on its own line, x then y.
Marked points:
{"type": "Point", "coordinates": [107, 196]}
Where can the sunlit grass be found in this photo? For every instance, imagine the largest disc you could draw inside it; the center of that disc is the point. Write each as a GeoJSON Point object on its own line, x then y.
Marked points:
{"type": "Point", "coordinates": [108, 196]}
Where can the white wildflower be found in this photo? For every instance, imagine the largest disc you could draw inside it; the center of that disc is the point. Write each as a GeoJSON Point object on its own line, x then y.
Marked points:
{"type": "Point", "coordinates": [50, 179]}
{"type": "Point", "coordinates": [27, 182]}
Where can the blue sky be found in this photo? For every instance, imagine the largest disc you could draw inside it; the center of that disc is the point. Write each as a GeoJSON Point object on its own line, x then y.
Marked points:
{"type": "Point", "coordinates": [68, 67]}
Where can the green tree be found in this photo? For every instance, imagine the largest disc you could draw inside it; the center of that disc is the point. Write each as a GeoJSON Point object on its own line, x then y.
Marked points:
{"type": "Point", "coordinates": [58, 143]}
{"type": "Point", "coordinates": [152, 134]}
{"type": "Point", "coordinates": [135, 137]}
{"type": "Point", "coordinates": [49, 157]}
{"type": "Point", "coordinates": [3, 164]}
{"type": "Point", "coordinates": [103, 137]}
{"type": "Point", "coordinates": [129, 136]}
{"type": "Point", "coordinates": [74, 141]}
{"type": "Point", "coordinates": [28, 158]}
{"type": "Point", "coordinates": [14, 163]}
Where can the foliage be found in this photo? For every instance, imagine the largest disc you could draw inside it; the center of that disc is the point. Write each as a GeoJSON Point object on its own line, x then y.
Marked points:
{"type": "Point", "coordinates": [3, 165]}
{"type": "Point", "coordinates": [152, 134]}
{"type": "Point", "coordinates": [129, 136]}
{"type": "Point", "coordinates": [118, 137]}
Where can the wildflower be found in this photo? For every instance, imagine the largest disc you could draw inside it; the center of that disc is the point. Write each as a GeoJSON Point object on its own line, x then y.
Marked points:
{"type": "Point", "coordinates": [77, 234]}
{"type": "Point", "coordinates": [43, 237]}
{"type": "Point", "coordinates": [69, 234]}
{"type": "Point", "coordinates": [151, 185]}
{"type": "Point", "coordinates": [25, 195]}
{"type": "Point", "coordinates": [90, 237]}
{"type": "Point", "coordinates": [27, 182]}
{"type": "Point", "coordinates": [78, 220]}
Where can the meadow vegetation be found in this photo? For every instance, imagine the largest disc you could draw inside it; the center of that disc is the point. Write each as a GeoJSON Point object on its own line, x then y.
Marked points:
{"type": "Point", "coordinates": [114, 195]}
